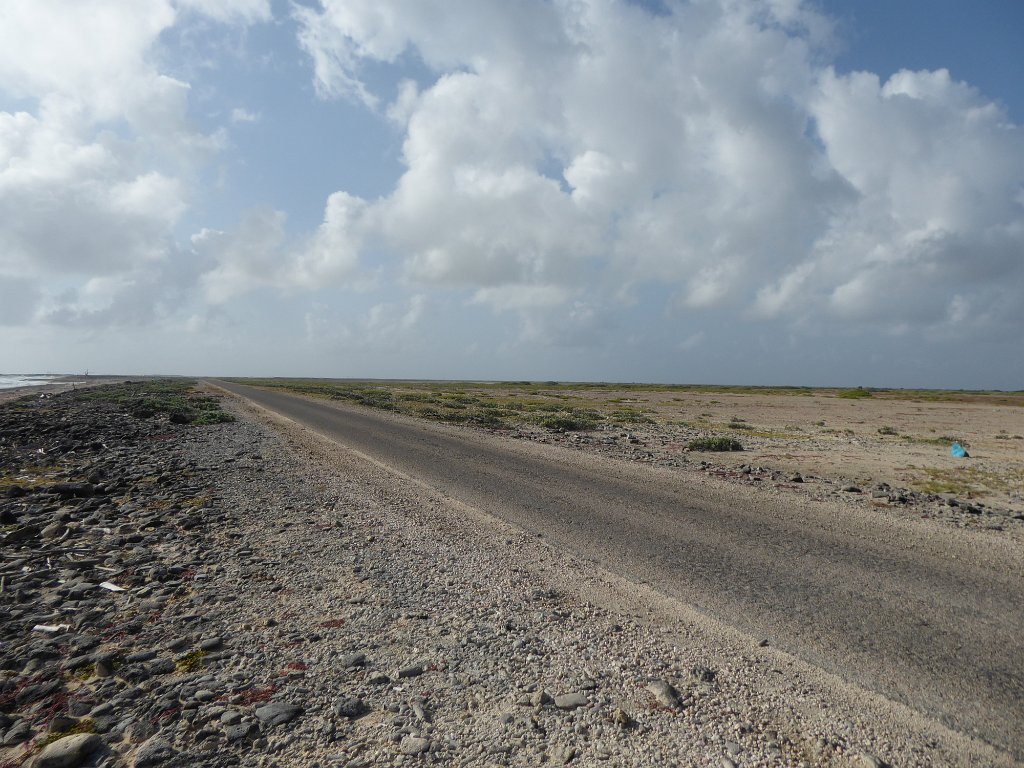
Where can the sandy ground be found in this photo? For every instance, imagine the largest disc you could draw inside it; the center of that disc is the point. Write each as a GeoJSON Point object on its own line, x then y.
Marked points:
{"type": "Point", "coordinates": [840, 438]}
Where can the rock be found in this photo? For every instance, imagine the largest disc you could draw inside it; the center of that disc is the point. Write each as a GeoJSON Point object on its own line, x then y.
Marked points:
{"type": "Point", "coordinates": [239, 731]}
{"type": "Point", "coordinates": [162, 666]}
{"type": "Point", "coordinates": [53, 530]}
{"type": "Point", "coordinates": [725, 762]}
{"type": "Point", "coordinates": [851, 489]}
{"type": "Point", "coordinates": [565, 756]}
{"type": "Point", "coordinates": [61, 724]}
{"type": "Point", "coordinates": [665, 694]}
{"type": "Point", "coordinates": [352, 660]}
{"type": "Point", "coordinates": [867, 760]}
{"type": "Point", "coordinates": [211, 644]}
{"type": "Point", "coordinates": [413, 745]}
{"type": "Point", "coordinates": [350, 707]}
{"type": "Point", "coordinates": [17, 733]}
{"type": "Point", "coordinates": [703, 674]}
{"type": "Point", "coordinates": [797, 478]}
{"type": "Point", "coordinates": [413, 670]}
{"type": "Point", "coordinates": [278, 712]}
{"type": "Point", "coordinates": [68, 752]}
{"type": "Point", "coordinates": [154, 751]}
{"type": "Point", "coordinates": [540, 698]}
{"type": "Point", "coordinates": [230, 717]}
{"type": "Point", "coordinates": [138, 731]}
{"type": "Point", "coordinates": [571, 700]}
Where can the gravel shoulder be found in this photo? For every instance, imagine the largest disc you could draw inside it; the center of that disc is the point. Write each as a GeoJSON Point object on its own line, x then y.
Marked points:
{"type": "Point", "coordinates": [290, 603]}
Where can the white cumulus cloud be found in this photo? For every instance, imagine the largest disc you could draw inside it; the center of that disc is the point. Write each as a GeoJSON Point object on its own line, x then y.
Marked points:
{"type": "Point", "coordinates": [98, 159]}
{"type": "Point", "coordinates": [589, 147]}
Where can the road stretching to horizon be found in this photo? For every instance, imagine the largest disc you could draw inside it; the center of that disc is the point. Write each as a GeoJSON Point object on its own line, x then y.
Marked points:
{"type": "Point", "coordinates": [933, 621]}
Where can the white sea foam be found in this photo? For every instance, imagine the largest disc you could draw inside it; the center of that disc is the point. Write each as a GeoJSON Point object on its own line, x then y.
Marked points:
{"type": "Point", "coordinates": [12, 380]}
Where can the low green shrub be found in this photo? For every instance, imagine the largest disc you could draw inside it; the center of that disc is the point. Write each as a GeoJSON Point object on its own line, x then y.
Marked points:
{"type": "Point", "coordinates": [715, 444]}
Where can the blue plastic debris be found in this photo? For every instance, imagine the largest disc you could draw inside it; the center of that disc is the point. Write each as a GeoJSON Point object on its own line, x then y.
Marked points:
{"type": "Point", "coordinates": [958, 452]}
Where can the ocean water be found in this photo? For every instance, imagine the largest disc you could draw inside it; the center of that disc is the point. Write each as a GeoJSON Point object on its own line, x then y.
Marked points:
{"type": "Point", "coordinates": [12, 380]}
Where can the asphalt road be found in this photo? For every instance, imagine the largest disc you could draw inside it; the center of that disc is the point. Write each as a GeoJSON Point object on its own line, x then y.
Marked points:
{"type": "Point", "coordinates": [936, 622]}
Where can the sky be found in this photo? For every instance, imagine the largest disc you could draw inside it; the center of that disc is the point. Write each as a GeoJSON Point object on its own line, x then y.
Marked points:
{"type": "Point", "coordinates": [804, 192]}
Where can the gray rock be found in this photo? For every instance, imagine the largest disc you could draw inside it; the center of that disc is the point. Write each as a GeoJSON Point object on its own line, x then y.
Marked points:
{"type": "Point", "coordinates": [154, 751]}
{"type": "Point", "coordinates": [61, 723]}
{"type": "Point", "coordinates": [413, 670]}
{"type": "Point", "coordinates": [162, 666]}
{"type": "Point", "coordinates": [68, 752]}
{"type": "Point", "coordinates": [867, 760]}
{"type": "Point", "coordinates": [571, 700]}
{"type": "Point", "coordinates": [53, 530]}
{"type": "Point", "coordinates": [350, 707]}
{"type": "Point", "coordinates": [664, 694]}
{"type": "Point", "coordinates": [230, 717]}
{"type": "Point", "coordinates": [17, 733]}
{"type": "Point", "coordinates": [564, 755]}
{"type": "Point", "coordinates": [352, 660]}
{"type": "Point", "coordinates": [278, 712]}
{"type": "Point", "coordinates": [138, 731]}
{"type": "Point", "coordinates": [211, 644]}
{"type": "Point", "coordinates": [239, 731]}
{"type": "Point", "coordinates": [540, 698]}
{"type": "Point", "coordinates": [414, 745]}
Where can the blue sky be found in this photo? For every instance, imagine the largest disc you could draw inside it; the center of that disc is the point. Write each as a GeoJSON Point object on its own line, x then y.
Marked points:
{"type": "Point", "coordinates": [735, 191]}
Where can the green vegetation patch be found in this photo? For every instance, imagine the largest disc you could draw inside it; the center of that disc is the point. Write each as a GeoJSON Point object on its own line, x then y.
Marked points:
{"type": "Point", "coordinates": [85, 725]}
{"type": "Point", "coordinates": [854, 394]}
{"type": "Point", "coordinates": [191, 662]}
{"type": "Point", "coordinates": [630, 416]}
{"type": "Point", "coordinates": [715, 444]}
{"type": "Point", "coordinates": [178, 399]}
{"type": "Point", "coordinates": [569, 422]}
{"type": "Point", "coordinates": [973, 481]}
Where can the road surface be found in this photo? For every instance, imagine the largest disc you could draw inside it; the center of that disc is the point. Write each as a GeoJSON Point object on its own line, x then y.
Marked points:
{"type": "Point", "coordinates": [930, 619]}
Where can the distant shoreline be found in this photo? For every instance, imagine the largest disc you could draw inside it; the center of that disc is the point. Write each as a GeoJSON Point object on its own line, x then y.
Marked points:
{"type": "Point", "coordinates": [59, 383]}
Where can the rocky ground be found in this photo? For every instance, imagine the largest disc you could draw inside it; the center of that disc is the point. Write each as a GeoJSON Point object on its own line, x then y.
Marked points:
{"type": "Point", "coordinates": [664, 445]}
{"type": "Point", "coordinates": [184, 594]}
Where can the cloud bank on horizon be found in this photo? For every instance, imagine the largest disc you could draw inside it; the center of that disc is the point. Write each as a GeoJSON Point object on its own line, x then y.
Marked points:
{"type": "Point", "coordinates": [572, 174]}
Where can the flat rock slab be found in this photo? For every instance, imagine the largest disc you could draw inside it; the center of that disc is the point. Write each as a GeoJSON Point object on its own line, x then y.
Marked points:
{"type": "Point", "coordinates": [571, 700]}
{"type": "Point", "coordinates": [414, 745]}
{"type": "Point", "coordinates": [278, 712]}
{"type": "Point", "coordinates": [68, 752]}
